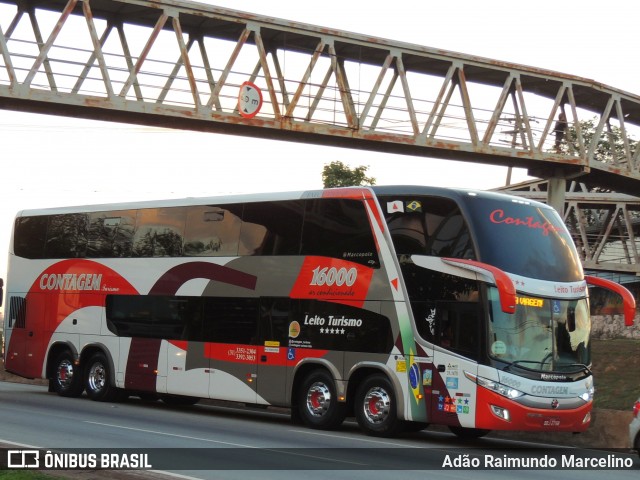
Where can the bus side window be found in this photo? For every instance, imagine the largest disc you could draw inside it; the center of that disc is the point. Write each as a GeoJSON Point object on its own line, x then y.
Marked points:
{"type": "Point", "coordinates": [30, 236]}
{"type": "Point", "coordinates": [407, 232]}
{"type": "Point", "coordinates": [339, 228]}
{"type": "Point", "coordinates": [159, 232]}
{"type": "Point", "coordinates": [425, 317]}
{"type": "Point", "coordinates": [110, 234]}
{"type": "Point", "coordinates": [213, 231]}
{"type": "Point", "coordinates": [67, 236]}
{"type": "Point", "coordinates": [452, 239]}
{"type": "Point", "coordinates": [17, 312]}
{"type": "Point", "coordinates": [273, 228]}
{"type": "Point", "coordinates": [274, 320]}
{"type": "Point", "coordinates": [459, 327]}
{"type": "Point", "coordinates": [230, 320]}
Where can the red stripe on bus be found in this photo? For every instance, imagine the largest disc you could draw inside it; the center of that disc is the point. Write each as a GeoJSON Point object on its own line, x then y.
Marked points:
{"type": "Point", "coordinates": [142, 364]}
{"type": "Point", "coordinates": [174, 278]}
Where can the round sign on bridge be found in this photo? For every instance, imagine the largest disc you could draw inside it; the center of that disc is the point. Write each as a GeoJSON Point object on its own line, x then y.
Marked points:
{"type": "Point", "coordinates": [249, 100]}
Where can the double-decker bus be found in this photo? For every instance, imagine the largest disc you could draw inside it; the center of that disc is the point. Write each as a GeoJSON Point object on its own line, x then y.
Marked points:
{"type": "Point", "coordinates": [402, 306]}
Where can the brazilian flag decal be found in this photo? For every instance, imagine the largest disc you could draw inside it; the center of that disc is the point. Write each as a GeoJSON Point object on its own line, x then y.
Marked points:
{"type": "Point", "coordinates": [414, 206]}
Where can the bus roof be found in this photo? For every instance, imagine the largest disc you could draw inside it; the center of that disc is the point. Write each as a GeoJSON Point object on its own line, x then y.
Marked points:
{"type": "Point", "coordinates": [346, 192]}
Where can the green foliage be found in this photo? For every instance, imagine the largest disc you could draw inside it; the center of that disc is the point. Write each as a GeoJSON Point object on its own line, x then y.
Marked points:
{"type": "Point", "coordinates": [609, 146]}
{"type": "Point", "coordinates": [615, 369]}
{"type": "Point", "coordinates": [337, 174]}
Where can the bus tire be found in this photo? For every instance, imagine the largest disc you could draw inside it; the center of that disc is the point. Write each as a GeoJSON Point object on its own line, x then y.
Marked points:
{"type": "Point", "coordinates": [67, 376]}
{"type": "Point", "coordinates": [376, 407]}
{"type": "Point", "coordinates": [468, 433]}
{"type": "Point", "coordinates": [98, 380]}
{"type": "Point", "coordinates": [318, 404]}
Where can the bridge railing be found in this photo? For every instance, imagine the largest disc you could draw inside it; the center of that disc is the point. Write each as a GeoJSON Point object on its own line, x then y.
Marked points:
{"type": "Point", "coordinates": [184, 64]}
{"type": "Point", "coordinates": [605, 226]}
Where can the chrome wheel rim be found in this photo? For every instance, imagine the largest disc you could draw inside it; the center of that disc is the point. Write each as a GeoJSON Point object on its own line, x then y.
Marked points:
{"type": "Point", "coordinates": [64, 373]}
{"type": "Point", "coordinates": [377, 405]}
{"type": "Point", "coordinates": [318, 399]}
{"type": "Point", "coordinates": [97, 378]}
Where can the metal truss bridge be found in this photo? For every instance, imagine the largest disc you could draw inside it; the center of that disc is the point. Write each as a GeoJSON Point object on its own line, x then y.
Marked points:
{"type": "Point", "coordinates": [605, 226]}
{"type": "Point", "coordinates": [186, 65]}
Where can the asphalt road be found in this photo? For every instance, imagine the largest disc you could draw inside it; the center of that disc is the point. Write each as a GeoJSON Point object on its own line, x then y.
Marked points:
{"type": "Point", "coordinates": [227, 442]}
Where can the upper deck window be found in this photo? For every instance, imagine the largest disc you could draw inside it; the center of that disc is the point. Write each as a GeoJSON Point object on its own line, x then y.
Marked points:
{"type": "Point", "coordinates": [339, 228]}
{"type": "Point", "coordinates": [427, 226]}
{"type": "Point", "coordinates": [524, 238]}
{"type": "Point", "coordinates": [517, 236]}
{"type": "Point", "coordinates": [331, 227]}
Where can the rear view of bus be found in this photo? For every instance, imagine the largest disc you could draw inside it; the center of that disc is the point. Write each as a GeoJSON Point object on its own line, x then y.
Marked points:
{"type": "Point", "coordinates": [496, 285]}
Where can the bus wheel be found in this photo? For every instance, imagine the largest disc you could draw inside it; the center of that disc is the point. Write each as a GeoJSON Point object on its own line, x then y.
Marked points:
{"type": "Point", "coordinates": [98, 380]}
{"type": "Point", "coordinates": [67, 377]}
{"type": "Point", "coordinates": [468, 433]}
{"type": "Point", "coordinates": [375, 407]}
{"type": "Point", "coordinates": [318, 404]}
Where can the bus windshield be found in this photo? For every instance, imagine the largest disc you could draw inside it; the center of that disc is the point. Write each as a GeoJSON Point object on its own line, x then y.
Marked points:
{"type": "Point", "coordinates": [523, 238]}
{"type": "Point", "coordinates": [544, 334]}
{"type": "Point", "coordinates": [517, 236]}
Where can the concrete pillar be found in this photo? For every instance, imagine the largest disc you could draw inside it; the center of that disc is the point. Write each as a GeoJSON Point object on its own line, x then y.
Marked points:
{"type": "Point", "coordinates": [557, 187]}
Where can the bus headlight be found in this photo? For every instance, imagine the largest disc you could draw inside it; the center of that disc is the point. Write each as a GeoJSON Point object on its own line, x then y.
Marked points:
{"type": "Point", "coordinates": [587, 396]}
{"type": "Point", "coordinates": [501, 412]}
{"type": "Point", "coordinates": [504, 390]}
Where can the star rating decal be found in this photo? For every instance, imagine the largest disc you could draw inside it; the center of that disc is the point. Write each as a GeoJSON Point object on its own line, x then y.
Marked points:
{"type": "Point", "coordinates": [332, 331]}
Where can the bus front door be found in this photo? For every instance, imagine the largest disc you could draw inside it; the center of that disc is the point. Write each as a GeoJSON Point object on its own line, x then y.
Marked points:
{"type": "Point", "coordinates": [456, 348]}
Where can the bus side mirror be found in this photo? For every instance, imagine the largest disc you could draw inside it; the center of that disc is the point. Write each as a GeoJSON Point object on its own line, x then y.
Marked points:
{"type": "Point", "coordinates": [629, 303]}
{"type": "Point", "coordinates": [1, 291]}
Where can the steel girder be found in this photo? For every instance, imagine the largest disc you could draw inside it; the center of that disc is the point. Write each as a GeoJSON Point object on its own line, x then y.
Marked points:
{"type": "Point", "coordinates": [605, 226]}
{"type": "Point", "coordinates": [182, 64]}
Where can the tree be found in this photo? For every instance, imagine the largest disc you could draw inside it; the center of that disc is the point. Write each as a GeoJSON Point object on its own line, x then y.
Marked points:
{"type": "Point", "coordinates": [609, 146]}
{"type": "Point", "coordinates": [337, 174]}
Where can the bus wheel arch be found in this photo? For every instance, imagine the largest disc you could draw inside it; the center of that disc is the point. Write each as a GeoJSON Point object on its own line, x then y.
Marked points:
{"type": "Point", "coordinates": [64, 371]}
{"type": "Point", "coordinates": [315, 399]}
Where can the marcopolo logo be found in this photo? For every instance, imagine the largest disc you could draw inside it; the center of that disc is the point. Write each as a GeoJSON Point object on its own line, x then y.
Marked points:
{"type": "Point", "coordinates": [71, 281]}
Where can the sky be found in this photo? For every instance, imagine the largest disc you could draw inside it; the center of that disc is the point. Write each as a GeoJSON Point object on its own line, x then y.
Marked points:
{"type": "Point", "coordinates": [48, 161]}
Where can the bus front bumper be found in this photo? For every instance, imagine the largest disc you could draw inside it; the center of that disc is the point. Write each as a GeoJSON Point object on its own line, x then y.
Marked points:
{"type": "Point", "coordinates": [495, 412]}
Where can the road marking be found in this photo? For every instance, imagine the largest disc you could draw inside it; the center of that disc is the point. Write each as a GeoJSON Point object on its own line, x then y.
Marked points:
{"type": "Point", "coordinates": [175, 475]}
{"type": "Point", "coordinates": [310, 432]}
{"type": "Point", "coordinates": [10, 442]}
{"type": "Point", "coordinates": [155, 432]}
